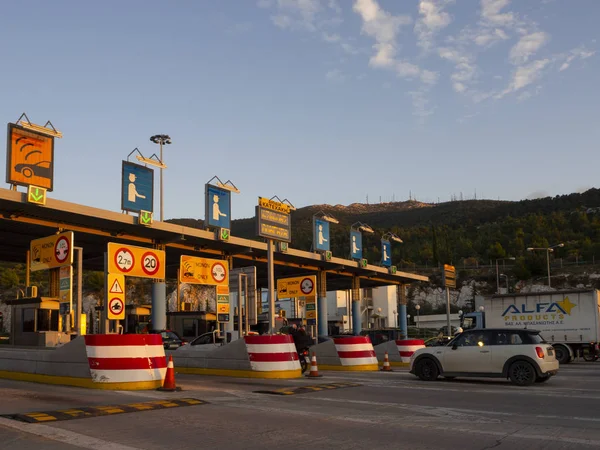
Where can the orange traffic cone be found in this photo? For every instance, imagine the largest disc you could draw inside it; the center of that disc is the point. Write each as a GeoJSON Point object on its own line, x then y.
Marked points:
{"type": "Point", "coordinates": [314, 370]}
{"type": "Point", "coordinates": [386, 364]}
{"type": "Point", "coordinates": [169, 384]}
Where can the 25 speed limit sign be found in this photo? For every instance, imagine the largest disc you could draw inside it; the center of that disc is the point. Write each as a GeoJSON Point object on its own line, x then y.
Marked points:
{"type": "Point", "coordinates": [135, 261]}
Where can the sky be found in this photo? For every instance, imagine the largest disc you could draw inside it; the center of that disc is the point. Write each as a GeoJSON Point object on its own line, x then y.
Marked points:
{"type": "Point", "coordinates": [314, 101]}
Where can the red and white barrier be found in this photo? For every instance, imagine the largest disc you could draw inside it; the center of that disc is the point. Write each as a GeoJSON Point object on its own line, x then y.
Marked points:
{"type": "Point", "coordinates": [272, 353]}
{"type": "Point", "coordinates": [355, 351]}
{"type": "Point", "coordinates": [407, 347]}
{"type": "Point", "coordinates": [131, 361]}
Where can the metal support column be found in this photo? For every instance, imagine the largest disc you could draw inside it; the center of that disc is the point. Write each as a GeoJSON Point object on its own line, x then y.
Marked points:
{"type": "Point", "coordinates": [159, 299]}
{"type": "Point", "coordinates": [271, 278]}
{"type": "Point", "coordinates": [79, 300]}
{"type": "Point", "coordinates": [322, 303]}
{"type": "Point", "coordinates": [356, 312]}
{"type": "Point", "coordinates": [402, 322]}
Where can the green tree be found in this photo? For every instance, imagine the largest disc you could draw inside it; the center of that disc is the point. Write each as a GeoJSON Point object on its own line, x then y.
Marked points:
{"type": "Point", "coordinates": [9, 278]}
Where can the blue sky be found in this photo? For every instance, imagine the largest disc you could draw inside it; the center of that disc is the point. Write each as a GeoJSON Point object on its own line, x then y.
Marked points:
{"type": "Point", "coordinates": [314, 101]}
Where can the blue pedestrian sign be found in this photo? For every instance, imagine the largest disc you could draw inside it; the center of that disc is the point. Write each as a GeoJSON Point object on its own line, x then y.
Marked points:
{"type": "Point", "coordinates": [386, 253]}
{"type": "Point", "coordinates": [356, 244]}
{"type": "Point", "coordinates": [137, 188]}
{"type": "Point", "coordinates": [218, 207]}
{"type": "Point", "coordinates": [321, 235]}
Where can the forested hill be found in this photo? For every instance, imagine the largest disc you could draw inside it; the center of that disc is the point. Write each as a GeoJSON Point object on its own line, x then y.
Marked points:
{"type": "Point", "coordinates": [478, 230]}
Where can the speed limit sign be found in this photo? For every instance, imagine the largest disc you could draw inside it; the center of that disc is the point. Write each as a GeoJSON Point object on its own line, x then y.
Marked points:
{"type": "Point", "coordinates": [135, 261]}
{"type": "Point", "coordinates": [150, 263]}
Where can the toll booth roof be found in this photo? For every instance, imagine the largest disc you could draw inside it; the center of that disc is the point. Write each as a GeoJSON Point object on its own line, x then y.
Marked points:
{"type": "Point", "coordinates": [21, 222]}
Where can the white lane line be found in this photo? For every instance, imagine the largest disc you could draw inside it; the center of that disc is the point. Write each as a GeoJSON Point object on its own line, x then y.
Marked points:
{"type": "Point", "coordinates": [64, 436]}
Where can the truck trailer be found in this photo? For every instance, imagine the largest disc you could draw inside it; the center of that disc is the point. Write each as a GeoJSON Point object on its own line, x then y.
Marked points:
{"type": "Point", "coordinates": [569, 319]}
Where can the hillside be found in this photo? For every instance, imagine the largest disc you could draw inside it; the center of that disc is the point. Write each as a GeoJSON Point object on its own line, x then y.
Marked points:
{"type": "Point", "coordinates": [476, 231]}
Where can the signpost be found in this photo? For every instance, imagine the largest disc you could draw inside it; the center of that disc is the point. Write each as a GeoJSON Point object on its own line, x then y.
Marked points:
{"type": "Point", "coordinates": [116, 296]}
{"type": "Point", "coordinates": [217, 213]}
{"type": "Point", "coordinates": [29, 157]}
{"type": "Point", "coordinates": [135, 261]}
{"type": "Point", "coordinates": [320, 235]}
{"type": "Point", "coordinates": [449, 278]}
{"type": "Point", "coordinates": [52, 251]}
{"type": "Point", "coordinates": [36, 195]}
{"type": "Point", "coordinates": [356, 244]}
{"type": "Point", "coordinates": [196, 270]}
{"type": "Point", "coordinates": [303, 288]}
{"type": "Point", "coordinates": [273, 223]}
{"type": "Point", "coordinates": [386, 253]}
{"type": "Point", "coordinates": [137, 188]}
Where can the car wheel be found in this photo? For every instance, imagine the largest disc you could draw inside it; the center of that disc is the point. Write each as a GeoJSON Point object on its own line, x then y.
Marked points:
{"type": "Point", "coordinates": [542, 379]}
{"type": "Point", "coordinates": [27, 172]}
{"type": "Point", "coordinates": [427, 370]}
{"type": "Point", "coordinates": [522, 373]}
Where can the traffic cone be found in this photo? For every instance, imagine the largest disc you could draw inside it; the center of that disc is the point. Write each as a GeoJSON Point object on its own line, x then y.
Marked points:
{"type": "Point", "coordinates": [386, 364]}
{"type": "Point", "coordinates": [314, 370]}
{"type": "Point", "coordinates": [169, 384]}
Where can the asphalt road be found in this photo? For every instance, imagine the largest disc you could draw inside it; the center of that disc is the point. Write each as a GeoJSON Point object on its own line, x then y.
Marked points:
{"type": "Point", "coordinates": [387, 411]}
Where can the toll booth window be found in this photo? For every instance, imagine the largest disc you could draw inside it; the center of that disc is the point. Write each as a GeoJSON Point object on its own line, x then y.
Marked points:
{"type": "Point", "coordinates": [28, 320]}
{"type": "Point", "coordinates": [47, 320]}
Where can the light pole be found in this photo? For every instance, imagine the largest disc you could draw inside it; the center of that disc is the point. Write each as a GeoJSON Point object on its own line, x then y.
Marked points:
{"type": "Point", "coordinates": [547, 250]}
{"type": "Point", "coordinates": [505, 276]}
{"type": "Point", "coordinates": [418, 308]}
{"type": "Point", "coordinates": [512, 258]}
{"type": "Point", "coordinates": [161, 139]}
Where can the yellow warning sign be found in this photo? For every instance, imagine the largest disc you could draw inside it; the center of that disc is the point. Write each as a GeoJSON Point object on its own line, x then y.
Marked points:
{"type": "Point", "coordinates": [116, 286]}
{"type": "Point", "coordinates": [203, 271]}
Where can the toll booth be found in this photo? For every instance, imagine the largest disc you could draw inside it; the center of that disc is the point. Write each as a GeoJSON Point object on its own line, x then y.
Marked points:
{"type": "Point", "coordinates": [137, 318]}
{"type": "Point", "coordinates": [189, 324]}
{"type": "Point", "coordinates": [36, 322]}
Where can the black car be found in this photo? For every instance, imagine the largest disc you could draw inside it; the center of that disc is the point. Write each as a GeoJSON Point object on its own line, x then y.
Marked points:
{"type": "Point", "coordinates": [171, 340]}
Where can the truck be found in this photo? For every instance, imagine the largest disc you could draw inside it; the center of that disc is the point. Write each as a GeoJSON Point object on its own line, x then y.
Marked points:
{"type": "Point", "coordinates": [568, 319]}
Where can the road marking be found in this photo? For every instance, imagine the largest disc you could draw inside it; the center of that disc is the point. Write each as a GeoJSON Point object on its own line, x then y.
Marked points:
{"type": "Point", "coordinates": [306, 389]}
{"type": "Point", "coordinates": [95, 411]}
{"type": "Point", "coordinates": [64, 436]}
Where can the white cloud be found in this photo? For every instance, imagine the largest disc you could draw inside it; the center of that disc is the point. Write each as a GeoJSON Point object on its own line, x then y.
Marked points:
{"type": "Point", "coordinates": [527, 46]}
{"type": "Point", "coordinates": [383, 27]}
{"type": "Point", "coordinates": [429, 77]}
{"type": "Point", "coordinates": [487, 37]}
{"type": "Point", "coordinates": [524, 75]}
{"type": "Point", "coordinates": [579, 52]}
{"type": "Point", "coordinates": [491, 12]}
{"type": "Point", "coordinates": [421, 107]}
{"type": "Point", "coordinates": [335, 75]}
{"type": "Point", "coordinates": [432, 19]}
{"type": "Point", "coordinates": [405, 69]}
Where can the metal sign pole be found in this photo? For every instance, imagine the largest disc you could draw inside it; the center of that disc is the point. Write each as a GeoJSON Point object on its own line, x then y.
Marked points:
{"type": "Point", "coordinates": [79, 251]}
{"type": "Point", "coordinates": [239, 304]}
{"type": "Point", "coordinates": [246, 304]}
{"type": "Point", "coordinates": [271, 277]}
{"type": "Point", "coordinates": [448, 310]}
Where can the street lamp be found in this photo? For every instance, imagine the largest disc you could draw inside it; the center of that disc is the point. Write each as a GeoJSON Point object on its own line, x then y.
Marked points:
{"type": "Point", "coordinates": [505, 276]}
{"type": "Point", "coordinates": [359, 226]}
{"type": "Point", "coordinates": [547, 250]}
{"type": "Point", "coordinates": [512, 258]}
{"type": "Point", "coordinates": [418, 308]}
{"type": "Point", "coordinates": [161, 139]}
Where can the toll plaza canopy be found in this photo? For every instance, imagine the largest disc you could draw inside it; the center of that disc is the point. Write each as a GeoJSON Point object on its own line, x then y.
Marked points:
{"type": "Point", "coordinates": [21, 222]}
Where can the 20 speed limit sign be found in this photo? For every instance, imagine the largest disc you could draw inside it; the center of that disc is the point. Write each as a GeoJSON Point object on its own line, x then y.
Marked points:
{"type": "Point", "coordinates": [136, 261]}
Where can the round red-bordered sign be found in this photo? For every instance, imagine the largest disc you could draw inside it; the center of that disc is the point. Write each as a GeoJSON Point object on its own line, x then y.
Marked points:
{"type": "Point", "coordinates": [218, 272]}
{"type": "Point", "coordinates": [150, 263]}
{"type": "Point", "coordinates": [62, 249]}
{"type": "Point", "coordinates": [115, 306]}
{"type": "Point", "coordinates": [307, 286]}
{"type": "Point", "coordinates": [124, 259]}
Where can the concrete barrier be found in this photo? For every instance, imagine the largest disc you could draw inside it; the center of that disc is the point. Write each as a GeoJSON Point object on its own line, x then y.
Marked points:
{"type": "Point", "coordinates": [407, 347]}
{"type": "Point", "coordinates": [266, 356]}
{"type": "Point", "coordinates": [393, 354]}
{"type": "Point", "coordinates": [352, 353]}
{"type": "Point", "coordinates": [70, 365]}
{"type": "Point", "coordinates": [131, 361]}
